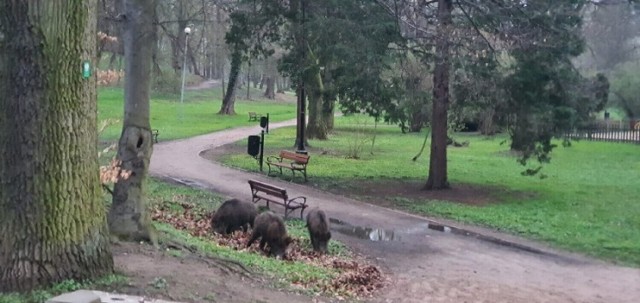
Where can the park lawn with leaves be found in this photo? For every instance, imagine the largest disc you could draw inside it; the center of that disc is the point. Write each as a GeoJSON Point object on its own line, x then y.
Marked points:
{"type": "Point", "coordinates": [187, 207]}
{"type": "Point", "coordinates": [197, 115]}
{"type": "Point", "coordinates": [587, 200]}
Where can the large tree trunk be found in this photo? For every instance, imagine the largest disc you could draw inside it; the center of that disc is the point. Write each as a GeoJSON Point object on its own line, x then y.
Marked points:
{"type": "Point", "coordinates": [269, 79]}
{"type": "Point", "coordinates": [52, 216]}
{"type": "Point", "coordinates": [438, 159]}
{"type": "Point", "coordinates": [128, 217]}
{"type": "Point", "coordinates": [230, 96]}
{"type": "Point", "coordinates": [248, 80]}
{"type": "Point", "coordinates": [487, 121]}
{"type": "Point", "coordinates": [417, 121]}
{"type": "Point", "coordinates": [328, 104]}
{"type": "Point", "coordinates": [270, 91]}
{"type": "Point", "coordinates": [316, 128]}
{"type": "Point", "coordinates": [521, 133]}
{"type": "Point", "coordinates": [193, 61]}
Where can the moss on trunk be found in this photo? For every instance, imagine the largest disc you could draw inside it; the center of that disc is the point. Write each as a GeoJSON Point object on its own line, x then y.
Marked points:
{"type": "Point", "coordinates": [53, 219]}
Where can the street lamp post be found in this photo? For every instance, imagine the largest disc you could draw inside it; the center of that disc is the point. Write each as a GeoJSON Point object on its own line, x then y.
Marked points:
{"type": "Point", "coordinates": [187, 31]}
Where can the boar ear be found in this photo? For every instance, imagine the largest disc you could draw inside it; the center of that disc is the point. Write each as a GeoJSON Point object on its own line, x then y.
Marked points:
{"type": "Point", "coordinates": [288, 240]}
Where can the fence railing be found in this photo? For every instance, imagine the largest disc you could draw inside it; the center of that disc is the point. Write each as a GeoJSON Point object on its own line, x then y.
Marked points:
{"type": "Point", "coordinates": [608, 130]}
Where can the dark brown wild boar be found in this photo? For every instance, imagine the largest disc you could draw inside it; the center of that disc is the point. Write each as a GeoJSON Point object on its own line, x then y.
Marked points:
{"type": "Point", "coordinates": [233, 215]}
{"type": "Point", "coordinates": [318, 226]}
{"type": "Point", "coordinates": [271, 230]}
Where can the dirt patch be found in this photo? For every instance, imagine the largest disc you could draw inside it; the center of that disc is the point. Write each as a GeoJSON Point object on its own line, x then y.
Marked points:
{"type": "Point", "coordinates": [383, 192]}
{"type": "Point", "coordinates": [159, 274]}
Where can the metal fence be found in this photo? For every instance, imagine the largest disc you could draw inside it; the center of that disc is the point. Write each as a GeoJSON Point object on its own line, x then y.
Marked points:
{"type": "Point", "coordinates": [609, 130]}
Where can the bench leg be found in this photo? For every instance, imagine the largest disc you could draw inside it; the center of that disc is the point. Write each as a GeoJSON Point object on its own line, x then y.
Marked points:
{"type": "Point", "coordinates": [304, 172]}
{"type": "Point", "coordinates": [302, 213]}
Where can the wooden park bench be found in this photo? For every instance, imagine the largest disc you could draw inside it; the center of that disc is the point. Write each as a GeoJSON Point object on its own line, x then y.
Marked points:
{"type": "Point", "coordinates": [253, 116]}
{"type": "Point", "coordinates": [290, 160]}
{"type": "Point", "coordinates": [269, 193]}
{"type": "Point", "coordinates": [155, 133]}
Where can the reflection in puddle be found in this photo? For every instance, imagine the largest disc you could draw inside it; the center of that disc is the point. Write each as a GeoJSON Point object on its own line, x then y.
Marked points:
{"type": "Point", "coordinates": [371, 234]}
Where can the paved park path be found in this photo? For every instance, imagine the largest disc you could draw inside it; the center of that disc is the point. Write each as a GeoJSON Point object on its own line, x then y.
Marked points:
{"type": "Point", "coordinates": [426, 265]}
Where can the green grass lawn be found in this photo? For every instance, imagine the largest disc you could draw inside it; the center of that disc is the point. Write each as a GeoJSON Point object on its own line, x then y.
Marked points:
{"type": "Point", "coordinates": [196, 116]}
{"type": "Point", "coordinates": [588, 202]}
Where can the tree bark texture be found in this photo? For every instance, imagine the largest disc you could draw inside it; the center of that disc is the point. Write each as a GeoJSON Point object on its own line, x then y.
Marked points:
{"type": "Point", "coordinates": [328, 103]}
{"type": "Point", "coordinates": [128, 217]}
{"type": "Point", "coordinates": [270, 92]}
{"type": "Point", "coordinates": [521, 133]}
{"type": "Point", "coordinates": [417, 121]}
{"type": "Point", "coordinates": [228, 101]}
{"type": "Point", "coordinates": [269, 78]}
{"type": "Point", "coordinates": [316, 128]}
{"type": "Point", "coordinates": [438, 158]}
{"type": "Point", "coordinates": [248, 80]}
{"type": "Point", "coordinates": [52, 216]}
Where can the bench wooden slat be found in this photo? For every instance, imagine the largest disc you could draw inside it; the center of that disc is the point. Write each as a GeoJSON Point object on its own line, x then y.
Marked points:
{"type": "Point", "coordinates": [300, 158]}
{"type": "Point", "coordinates": [271, 192]}
{"type": "Point", "coordinates": [263, 186]}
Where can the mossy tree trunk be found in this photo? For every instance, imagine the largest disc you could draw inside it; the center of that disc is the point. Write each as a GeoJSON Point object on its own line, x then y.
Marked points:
{"type": "Point", "coordinates": [329, 100]}
{"type": "Point", "coordinates": [128, 217]}
{"type": "Point", "coordinates": [269, 78]}
{"type": "Point", "coordinates": [52, 217]}
{"type": "Point", "coordinates": [316, 127]}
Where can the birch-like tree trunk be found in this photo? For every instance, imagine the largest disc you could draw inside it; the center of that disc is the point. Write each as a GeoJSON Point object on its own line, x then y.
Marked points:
{"type": "Point", "coordinates": [128, 217]}
{"type": "Point", "coordinates": [52, 218]}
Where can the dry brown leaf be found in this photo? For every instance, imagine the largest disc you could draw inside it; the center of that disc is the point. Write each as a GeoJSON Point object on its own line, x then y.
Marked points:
{"type": "Point", "coordinates": [356, 278]}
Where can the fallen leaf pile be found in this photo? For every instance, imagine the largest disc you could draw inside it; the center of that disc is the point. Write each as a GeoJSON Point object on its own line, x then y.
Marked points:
{"type": "Point", "coordinates": [197, 223]}
{"type": "Point", "coordinates": [355, 277]}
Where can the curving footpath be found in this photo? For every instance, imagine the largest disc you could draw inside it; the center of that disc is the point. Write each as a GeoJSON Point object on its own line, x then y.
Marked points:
{"type": "Point", "coordinates": [459, 264]}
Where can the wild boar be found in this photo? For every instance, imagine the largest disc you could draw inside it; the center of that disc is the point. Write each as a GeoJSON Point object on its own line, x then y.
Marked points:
{"type": "Point", "coordinates": [318, 226]}
{"type": "Point", "coordinates": [233, 215]}
{"type": "Point", "coordinates": [271, 230]}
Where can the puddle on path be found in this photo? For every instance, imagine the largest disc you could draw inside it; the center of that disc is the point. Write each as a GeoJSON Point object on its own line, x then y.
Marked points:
{"type": "Point", "coordinates": [380, 234]}
{"type": "Point", "coordinates": [367, 233]}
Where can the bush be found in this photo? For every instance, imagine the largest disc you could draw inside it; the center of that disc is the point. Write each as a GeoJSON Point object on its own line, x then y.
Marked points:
{"type": "Point", "coordinates": [625, 89]}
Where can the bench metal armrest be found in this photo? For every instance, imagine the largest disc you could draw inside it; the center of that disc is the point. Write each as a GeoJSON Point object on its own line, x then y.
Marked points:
{"type": "Point", "coordinates": [295, 200]}
{"type": "Point", "coordinates": [274, 159]}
